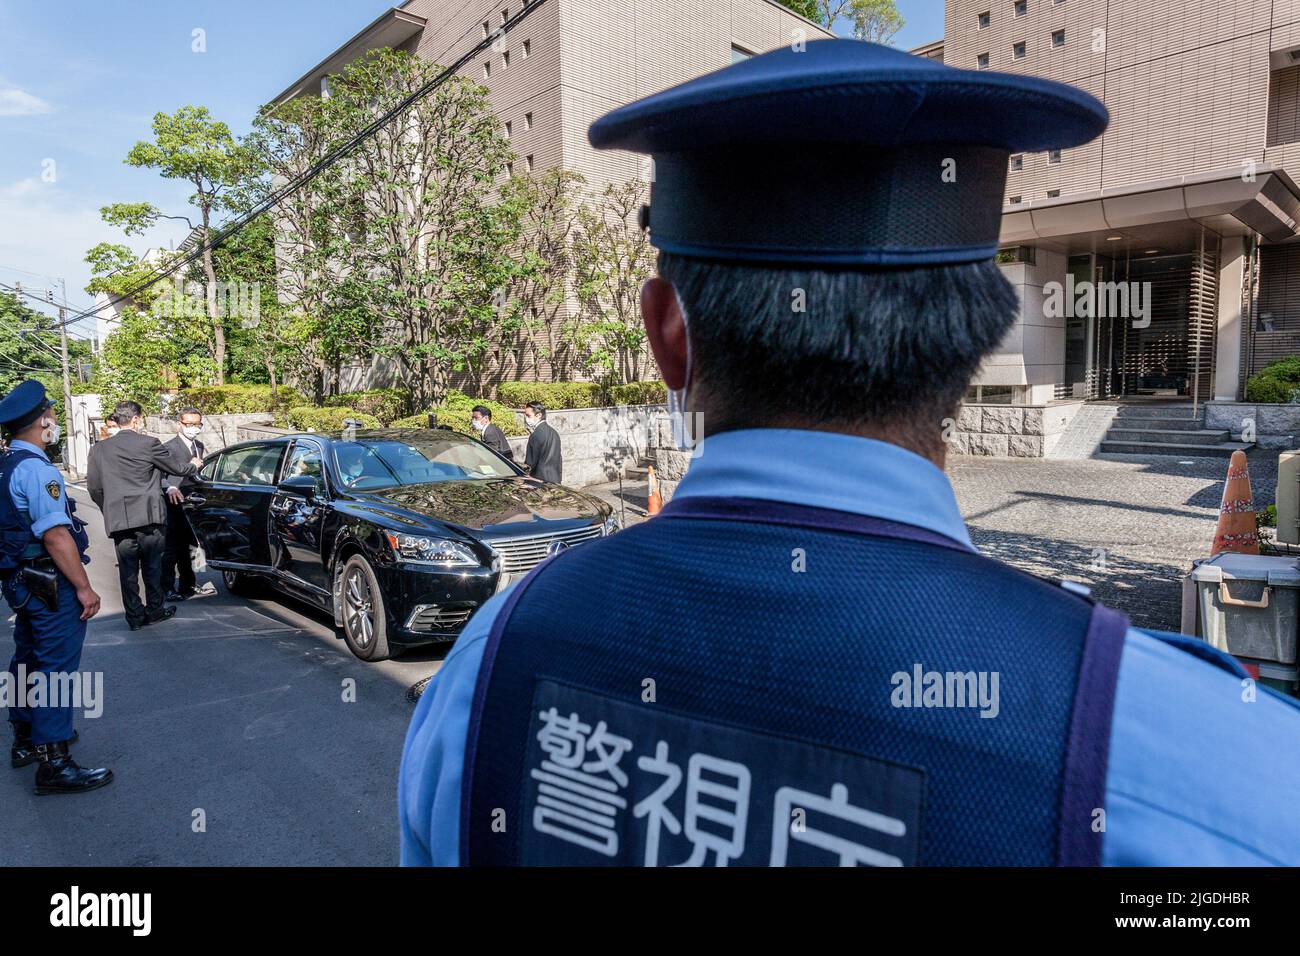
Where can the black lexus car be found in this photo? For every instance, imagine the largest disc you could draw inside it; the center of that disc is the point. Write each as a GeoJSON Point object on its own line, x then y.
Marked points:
{"type": "Point", "coordinates": [402, 534]}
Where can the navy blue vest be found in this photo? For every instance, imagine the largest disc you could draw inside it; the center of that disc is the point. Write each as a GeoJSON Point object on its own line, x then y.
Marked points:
{"type": "Point", "coordinates": [16, 542]}
{"type": "Point", "coordinates": [752, 683]}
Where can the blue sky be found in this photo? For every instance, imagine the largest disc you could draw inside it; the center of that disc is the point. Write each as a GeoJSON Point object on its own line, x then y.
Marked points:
{"type": "Point", "coordinates": [81, 80]}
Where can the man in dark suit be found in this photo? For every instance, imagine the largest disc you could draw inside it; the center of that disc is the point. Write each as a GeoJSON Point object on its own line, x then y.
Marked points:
{"type": "Point", "coordinates": [489, 434]}
{"type": "Point", "coordinates": [123, 476]}
{"type": "Point", "coordinates": [543, 459]}
{"type": "Point", "coordinates": [180, 536]}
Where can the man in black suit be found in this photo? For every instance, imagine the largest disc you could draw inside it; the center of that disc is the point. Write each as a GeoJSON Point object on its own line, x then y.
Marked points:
{"type": "Point", "coordinates": [180, 536]}
{"type": "Point", "coordinates": [123, 476]}
{"type": "Point", "coordinates": [543, 458]}
{"type": "Point", "coordinates": [489, 434]}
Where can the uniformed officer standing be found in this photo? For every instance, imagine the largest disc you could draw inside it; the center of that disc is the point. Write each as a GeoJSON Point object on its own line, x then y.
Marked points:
{"type": "Point", "coordinates": [42, 573]}
{"type": "Point", "coordinates": [803, 659]}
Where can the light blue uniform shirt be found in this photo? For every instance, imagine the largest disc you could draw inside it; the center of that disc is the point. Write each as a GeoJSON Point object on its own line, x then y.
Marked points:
{"type": "Point", "coordinates": [1198, 776]}
{"type": "Point", "coordinates": [32, 486]}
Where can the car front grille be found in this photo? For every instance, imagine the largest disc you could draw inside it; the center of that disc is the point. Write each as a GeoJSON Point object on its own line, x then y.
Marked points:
{"type": "Point", "coordinates": [432, 617]}
{"type": "Point", "coordinates": [525, 552]}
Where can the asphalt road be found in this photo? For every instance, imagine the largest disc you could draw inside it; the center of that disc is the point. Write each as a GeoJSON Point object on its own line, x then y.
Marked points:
{"type": "Point", "coordinates": [234, 708]}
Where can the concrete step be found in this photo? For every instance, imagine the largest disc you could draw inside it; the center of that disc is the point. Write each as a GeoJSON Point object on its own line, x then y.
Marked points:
{"type": "Point", "coordinates": [1201, 436]}
{"type": "Point", "coordinates": [1221, 450]}
{"type": "Point", "coordinates": [1156, 411]}
{"type": "Point", "coordinates": [1158, 424]}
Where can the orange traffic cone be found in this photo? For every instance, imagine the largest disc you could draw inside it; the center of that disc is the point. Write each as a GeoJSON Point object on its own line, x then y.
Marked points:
{"type": "Point", "coordinates": [1236, 529]}
{"type": "Point", "coordinates": [654, 501]}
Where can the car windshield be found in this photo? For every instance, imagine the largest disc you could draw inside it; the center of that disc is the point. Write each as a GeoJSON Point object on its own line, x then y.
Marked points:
{"type": "Point", "coordinates": [370, 463]}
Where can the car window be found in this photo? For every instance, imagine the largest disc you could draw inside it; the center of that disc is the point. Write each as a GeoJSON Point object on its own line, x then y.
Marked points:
{"type": "Point", "coordinates": [305, 459]}
{"type": "Point", "coordinates": [209, 470]}
{"type": "Point", "coordinates": [370, 463]}
{"type": "Point", "coordinates": [254, 465]}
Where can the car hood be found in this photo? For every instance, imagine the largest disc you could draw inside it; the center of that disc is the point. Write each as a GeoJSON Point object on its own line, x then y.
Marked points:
{"type": "Point", "coordinates": [481, 503]}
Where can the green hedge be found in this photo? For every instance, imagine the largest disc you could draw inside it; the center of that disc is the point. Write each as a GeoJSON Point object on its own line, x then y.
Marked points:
{"type": "Point", "coordinates": [1276, 383]}
{"type": "Point", "coordinates": [457, 411]}
{"type": "Point", "coordinates": [238, 399]}
{"type": "Point", "coordinates": [580, 394]}
{"type": "Point", "coordinates": [308, 418]}
{"type": "Point", "coordinates": [386, 404]}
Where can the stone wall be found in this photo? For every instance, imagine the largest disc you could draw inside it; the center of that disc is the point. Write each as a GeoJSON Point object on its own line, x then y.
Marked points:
{"type": "Point", "coordinates": [218, 430]}
{"type": "Point", "coordinates": [1275, 426]}
{"type": "Point", "coordinates": [1010, 431]}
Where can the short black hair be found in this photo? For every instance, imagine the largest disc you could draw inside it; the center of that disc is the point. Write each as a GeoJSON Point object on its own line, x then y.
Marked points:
{"type": "Point", "coordinates": [482, 410]}
{"type": "Point", "coordinates": [188, 411]}
{"type": "Point", "coordinates": [538, 407]}
{"type": "Point", "coordinates": [885, 346]}
{"type": "Point", "coordinates": [123, 412]}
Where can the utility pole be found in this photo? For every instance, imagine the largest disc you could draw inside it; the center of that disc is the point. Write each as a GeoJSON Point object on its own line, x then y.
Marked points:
{"type": "Point", "coordinates": [63, 356]}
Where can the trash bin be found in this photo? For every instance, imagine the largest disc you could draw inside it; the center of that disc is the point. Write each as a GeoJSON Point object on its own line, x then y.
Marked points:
{"type": "Point", "coordinates": [1248, 605]}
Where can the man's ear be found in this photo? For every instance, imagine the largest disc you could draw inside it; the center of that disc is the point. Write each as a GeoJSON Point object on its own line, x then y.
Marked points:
{"type": "Point", "coordinates": [665, 329]}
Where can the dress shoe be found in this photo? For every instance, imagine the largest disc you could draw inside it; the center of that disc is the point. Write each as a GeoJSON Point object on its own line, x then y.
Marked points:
{"type": "Point", "coordinates": [59, 773]}
{"type": "Point", "coordinates": [23, 751]}
{"type": "Point", "coordinates": [180, 595]}
{"type": "Point", "coordinates": [168, 611]}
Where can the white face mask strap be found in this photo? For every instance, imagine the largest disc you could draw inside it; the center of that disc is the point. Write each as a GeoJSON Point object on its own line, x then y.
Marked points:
{"type": "Point", "coordinates": [682, 437]}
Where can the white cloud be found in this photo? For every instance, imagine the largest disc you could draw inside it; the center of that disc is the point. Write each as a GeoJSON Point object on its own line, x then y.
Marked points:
{"type": "Point", "coordinates": [16, 102]}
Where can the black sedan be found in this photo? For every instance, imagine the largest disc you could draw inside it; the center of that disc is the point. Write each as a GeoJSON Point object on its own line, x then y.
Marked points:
{"type": "Point", "coordinates": [402, 534]}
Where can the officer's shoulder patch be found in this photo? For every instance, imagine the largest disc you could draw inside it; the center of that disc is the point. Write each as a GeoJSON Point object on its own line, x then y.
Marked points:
{"type": "Point", "coordinates": [53, 489]}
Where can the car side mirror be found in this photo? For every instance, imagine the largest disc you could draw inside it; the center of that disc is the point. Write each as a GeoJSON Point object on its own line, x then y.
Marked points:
{"type": "Point", "coordinates": [304, 485]}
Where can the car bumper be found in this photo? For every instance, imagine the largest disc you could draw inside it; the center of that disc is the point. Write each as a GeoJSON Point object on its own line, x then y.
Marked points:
{"type": "Point", "coordinates": [430, 605]}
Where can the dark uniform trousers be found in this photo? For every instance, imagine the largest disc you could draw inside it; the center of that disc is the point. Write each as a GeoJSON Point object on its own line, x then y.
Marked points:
{"type": "Point", "coordinates": [49, 642]}
{"type": "Point", "coordinates": [176, 560]}
{"type": "Point", "coordinates": [140, 554]}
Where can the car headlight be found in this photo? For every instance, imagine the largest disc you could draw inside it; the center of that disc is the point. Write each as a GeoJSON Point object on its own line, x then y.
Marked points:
{"type": "Point", "coordinates": [439, 551]}
{"type": "Point", "coordinates": [610, 526]}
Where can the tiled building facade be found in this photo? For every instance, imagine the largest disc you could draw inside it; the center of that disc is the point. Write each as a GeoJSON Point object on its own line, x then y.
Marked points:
{"type": "Point", "coordinates": [1191, 189]}
{"type": "Point", "coordinates": [564, 65]}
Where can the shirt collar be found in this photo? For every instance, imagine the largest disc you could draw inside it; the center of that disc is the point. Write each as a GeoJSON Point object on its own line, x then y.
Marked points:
{"type": "Point", "coordinates": [19, 443]}
{"type": "Point", "coordinates": [826, 470]}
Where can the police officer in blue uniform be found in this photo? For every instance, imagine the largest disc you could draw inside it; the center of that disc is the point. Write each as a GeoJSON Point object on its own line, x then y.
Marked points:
{"type": "Point", "coordinates": [42, 574]}
{"type": "Point", "coordinates": [803, 659]}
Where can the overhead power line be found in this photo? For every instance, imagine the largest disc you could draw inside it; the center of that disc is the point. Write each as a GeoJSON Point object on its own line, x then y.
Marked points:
{"type": "Point", "coordinates": [224, 233]}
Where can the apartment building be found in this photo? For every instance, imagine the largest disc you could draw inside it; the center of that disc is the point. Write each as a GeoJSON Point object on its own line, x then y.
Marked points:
{"type": "Point", "coordinates": [566, 64]}
{"type": "Point", "coordinates": [1191, 193]}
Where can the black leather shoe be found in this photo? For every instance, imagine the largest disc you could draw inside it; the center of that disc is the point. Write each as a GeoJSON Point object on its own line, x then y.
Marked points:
{"type": "Point", "coordinates": [168, 612]}
{"type": "Point", "coordinates": [23, 751]}
{"type": "Point", "coordinates": [59, 773]}
{"type": "Point", "coordinates": [179, 595]}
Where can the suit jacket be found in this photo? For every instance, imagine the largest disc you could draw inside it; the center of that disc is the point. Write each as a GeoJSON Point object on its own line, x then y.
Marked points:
{"type": "Point", "coordinates": [495, 439]}
{"type": "Point", "coordinates": [543, 458]}
{"type": "Point", "coordinates": [177, 446]}
{"type": "Point", "coordinates": [124, 477]}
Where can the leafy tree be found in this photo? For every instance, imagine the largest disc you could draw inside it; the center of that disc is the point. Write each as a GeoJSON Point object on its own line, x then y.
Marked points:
{"type": "Point", "coordinates": [29, 348]}
{"type": "Point", "coordinates": [874, 20]}
{"type": "Point", "coordinates": [429, 259]}
{"type": "Point", "coordinates": [612, 258]}
{"type": "Point", "coordinates": [190, 145]}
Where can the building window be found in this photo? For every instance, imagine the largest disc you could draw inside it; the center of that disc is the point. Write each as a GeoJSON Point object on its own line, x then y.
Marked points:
{"type": "Point", "coordinates": [487, 69]}
{"type": "Point", "coordinates": [510, 129]}
{"type": "Point", "coordinates": [1014, 200]}
{"type": "Point", "coordinates": [528, 48]}
{"type": "Point", "coordinates": [739, 54]}
{"type": "Point", "coordinates": [1016, 254]}
{"type": "Point", "coordinates": [1018, 161]}
{"type": "Point", "coordinates": [505, 60]}
{"type": "Point", "coordinates": [510, 169]}
{"type": "Point", "coordinates": [1053, 156]}
{"type": "Point", "coordinates": [1022, 7]}
{"type": "Point", "coordinates": [982, 61]}
{"type": "Point", "coordinates": [1018, 50]}
{"type": "Point", "coordinates": [528, 121]}
{"type": "Point", "coordinates": [505, 16]}
{"type": "Point", "coordinates": [1053, 193]}
{"type": "Point", "coordinates": [983, 21]}
{"type": "Point", "coordinates": [528, 161]}
{"type": "Point", "coordinates": [486, 30]}
{"type": "Point", "coordinates": [1058, 38]}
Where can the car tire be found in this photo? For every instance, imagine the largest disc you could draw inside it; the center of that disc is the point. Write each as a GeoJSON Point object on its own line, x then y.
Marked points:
{"type": "Point", "coordinates": [364, 615]}
{"type": "Point", "coordinates": [243, 585]}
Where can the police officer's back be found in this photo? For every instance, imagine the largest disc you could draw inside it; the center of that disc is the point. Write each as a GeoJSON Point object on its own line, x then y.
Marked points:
{"type": "Point", "coordinates": [42, 574]}
{"type": "Point", "coordinates": [803, 659]}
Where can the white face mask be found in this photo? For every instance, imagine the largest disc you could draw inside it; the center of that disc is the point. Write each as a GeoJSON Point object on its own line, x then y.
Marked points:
{"type": "Point", "coordinates": [531, 423]}
{"type": "Point", "coordinates": [191, 431]}
{"type": "Point", "coordinates": [480, 424]}
{"type": "Point", "coordinates": [113, 430]}
{"type": "Point", "coordinates": [52, 432]}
